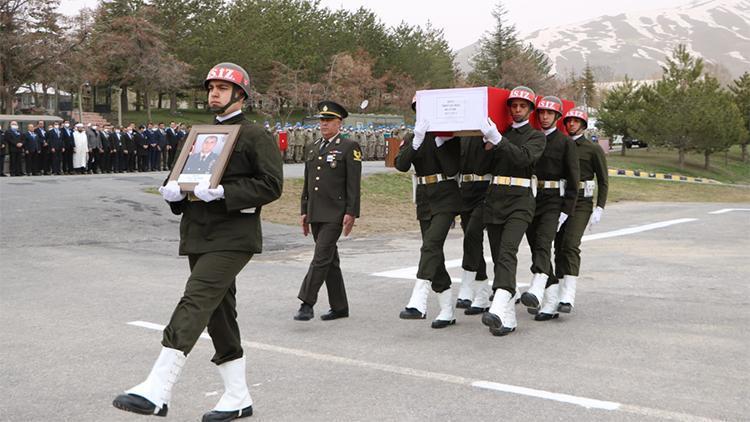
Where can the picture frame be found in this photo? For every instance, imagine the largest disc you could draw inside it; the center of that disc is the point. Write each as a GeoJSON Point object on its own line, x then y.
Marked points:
{"type": "Point", "coordinates": [204, 156]}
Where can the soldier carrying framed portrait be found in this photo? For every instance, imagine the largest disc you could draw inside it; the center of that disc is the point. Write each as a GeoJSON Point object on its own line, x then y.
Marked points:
{"type": "Point", "coordinates": [204, 155]}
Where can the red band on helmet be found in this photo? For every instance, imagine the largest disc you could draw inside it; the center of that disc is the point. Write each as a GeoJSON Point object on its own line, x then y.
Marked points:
{"type": "Point", "coordinates": [517, 93]}
{"type": "Point", "coordinates": [577, 113]}
{"type": "Point", "coordinates": [225, 74]}
{"type": "Point", "coordinates": [550, 105]}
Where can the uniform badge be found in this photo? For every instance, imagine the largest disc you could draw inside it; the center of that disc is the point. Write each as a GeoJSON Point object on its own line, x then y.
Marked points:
{"type": "Point", "coordinates": [357, 155]}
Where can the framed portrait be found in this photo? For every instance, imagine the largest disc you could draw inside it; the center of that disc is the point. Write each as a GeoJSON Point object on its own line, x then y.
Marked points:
{"type": "Point", "coordinates": [204, 155]}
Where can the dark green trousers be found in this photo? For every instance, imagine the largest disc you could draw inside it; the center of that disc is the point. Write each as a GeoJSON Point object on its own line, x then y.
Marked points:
{"type": "Point", "coordinates": [431, 257]}
{"type": "Point", "coordinates": [209, 301]}
{"type": "Point", "coordinates": [568, 241]}
{"type": "Point", "coordinates": [541, 233]}
{"type": "Point", "coordinates": [472, 224]}
{"type": "Point", "coordinates": [325, 268]}
{"type": "Point", "coordinates": [504, 241]}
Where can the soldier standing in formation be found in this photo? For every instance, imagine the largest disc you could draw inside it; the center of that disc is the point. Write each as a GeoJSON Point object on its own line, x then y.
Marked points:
{"type": "Point", "coordinates": [509, 204]}
{"type": "Point", "coordinates": [329, 204]}
{"type": "Point", "coordinates": [436, 163]}
{"type": "Point", "coordinates": [474, 295]}
{"type": "Point", "coordinates": [557, 190]}
{"type": "Point", "coordinates": [253, 178]}
{"type": "Point", "coordinates": [593, 175]}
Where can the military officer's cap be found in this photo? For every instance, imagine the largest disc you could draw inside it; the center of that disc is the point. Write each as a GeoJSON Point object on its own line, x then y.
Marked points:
{"type": "Point", "coordinates": [331, 110]}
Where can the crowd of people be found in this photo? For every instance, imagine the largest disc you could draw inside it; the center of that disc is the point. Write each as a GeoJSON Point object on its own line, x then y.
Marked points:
{"type": "Point", "coordinates": [59, 149]}
{"type": "Point", "coordinates": [55, 149]}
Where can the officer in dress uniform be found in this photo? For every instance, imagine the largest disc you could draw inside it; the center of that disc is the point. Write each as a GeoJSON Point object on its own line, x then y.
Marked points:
{"type": "Point", "coordinates": [436, 164]}
{"type": "Point", "coordinates": [593, 174]}
{"type": "Point", "coordinates": [557, 189]}
{"type": "Point", "coordinates": [474, 295]}
{"type": "Point", "coordinates": [219, 232]}
{"type": "Point", "coordinates": [330, 204]}
{"type": "Point", "coordinates": [509, 204]}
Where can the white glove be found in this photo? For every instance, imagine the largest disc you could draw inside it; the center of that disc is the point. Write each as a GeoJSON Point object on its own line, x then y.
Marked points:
{"type": "Point", "coordinates": [490, 132]}
{"type": "Point", "coordinates": [596, 216]}
{"type": "Point", "coordinates": [420, 130]}
{"type": "Point", "coordinates": [440, 140]}
{"type": "Point", "coordinates": [207, 195]}
{"type": "Point", "coordinates": [171, 192]}
{"type": "Point", "coordinates": [561, 220]}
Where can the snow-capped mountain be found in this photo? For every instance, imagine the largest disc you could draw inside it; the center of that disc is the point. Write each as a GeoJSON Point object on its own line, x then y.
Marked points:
{"type": "Point", "coordinates": [637, 44]}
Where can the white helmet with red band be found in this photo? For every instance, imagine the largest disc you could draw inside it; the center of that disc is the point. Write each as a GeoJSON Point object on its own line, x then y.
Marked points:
{"type": "Point", "coordinates": [523, 93]}
{"type": "Point", "coordinates": [578, 113]}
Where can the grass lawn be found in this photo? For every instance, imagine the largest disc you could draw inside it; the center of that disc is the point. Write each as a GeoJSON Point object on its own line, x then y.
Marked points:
{"type": "Point", "coordinates": [665, 161]}
{"type": "Point", "coordinates": [386, 199]}
{"type": "Point", "coordinates": [386, 204]}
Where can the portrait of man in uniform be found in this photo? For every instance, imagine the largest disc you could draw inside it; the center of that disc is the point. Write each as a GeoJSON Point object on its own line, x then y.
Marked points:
{"type": "Point", "coordinates": [204, 155]}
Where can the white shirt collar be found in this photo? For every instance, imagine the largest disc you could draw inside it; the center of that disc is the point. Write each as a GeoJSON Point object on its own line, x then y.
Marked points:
{"type": "Point", "coordinates": [228, 116]}
{"type": "Point", "coordinates": [575, 138]}
{"type": "Point", "coordinates": [517, 125]}
{"type": "Point", "coordinates": [329, 140]}
{"type": "Point", "coordinates": [550, 130]}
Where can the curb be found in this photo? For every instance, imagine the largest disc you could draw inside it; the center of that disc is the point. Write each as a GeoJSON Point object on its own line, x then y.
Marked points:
{"type": "Point", "coordinates": [660, 176]}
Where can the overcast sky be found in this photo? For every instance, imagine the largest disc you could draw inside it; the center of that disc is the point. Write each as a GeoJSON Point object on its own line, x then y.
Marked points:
{"type": "Point", "coordinates": [465, 21]}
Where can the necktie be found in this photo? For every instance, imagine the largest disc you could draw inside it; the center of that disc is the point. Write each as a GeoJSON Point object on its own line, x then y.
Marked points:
{"type": "Point", "coordinates": [323, 145]}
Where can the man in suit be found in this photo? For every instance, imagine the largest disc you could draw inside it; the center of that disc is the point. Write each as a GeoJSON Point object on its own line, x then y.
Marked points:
{"type": "Point", "coordinates": [94, 141]}
{"type": "Point", "coordinates": [14, 141]}
{"type": "Point", "coordinates": [3, 152]}
{"type": "Point", "coordinates": [68, 145]}
{"type": "Point", "coordinates": [32, 147]}
{"type": "Point", "coordinates": [153, 147]}
{"type": "Point", "coordinates": [44, 159]}
{"type": "Point", "coordinates": [161, 135]}
{"type": "Point", "coordinates": [108, 151]}
{"type": "Point", "coordinates": [172, 139]}
{"type": "Point", "coordinates": [130, 150]}
{"type": "Point", "coordinates": [141, 144]}
{"type": "Point", "coordinates": [203, 162]}
{"type": "Point", "coordinates": [56, 148]}
{"type": "Point", "coordinates": [330, 204]}
{"type": "Point", "coordinates": [117, 140]}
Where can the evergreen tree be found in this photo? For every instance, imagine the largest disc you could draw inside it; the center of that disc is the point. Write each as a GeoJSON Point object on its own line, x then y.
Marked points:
{"type": "Point", "coordinates": [620, 111]}
{"type": "Point", "coordinates": [740, 90]}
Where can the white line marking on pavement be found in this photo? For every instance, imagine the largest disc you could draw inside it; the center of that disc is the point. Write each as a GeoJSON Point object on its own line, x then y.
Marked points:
{"type": "Point", "coordinates": [565, 398]}
{"type": "Point", "coordinates": [726, 210]}
{"type": "Point", "coordinates": [410, 273]}
{"type": "Point", "coordinates": [637, 229]}
{"type": "Point", "coordinates": [455, 379]}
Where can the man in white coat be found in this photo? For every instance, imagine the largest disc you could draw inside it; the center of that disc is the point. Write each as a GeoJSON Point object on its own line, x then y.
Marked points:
{"type": "Point", "coordinates": [81, 151]}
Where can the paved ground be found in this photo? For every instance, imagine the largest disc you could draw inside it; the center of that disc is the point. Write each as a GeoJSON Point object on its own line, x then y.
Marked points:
{"type": "Point", "coordinates": [659, 332]}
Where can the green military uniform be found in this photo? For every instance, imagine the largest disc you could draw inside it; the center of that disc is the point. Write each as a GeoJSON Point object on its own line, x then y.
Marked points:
{"type": "Point", "coordinates": [559, 162]}
{"type": "Point", "coordinates": [508, 210]}
{"type": "Point", "coordinates": [437, 203]}
{"type": "Point", "coordinates": [331, 189]}
{"type": "Point", "coordinates": [219, 238]}
{"type": "Point", "coordinates": [474, 160]}
{"type": "Point", "coordinates": [593, 166]}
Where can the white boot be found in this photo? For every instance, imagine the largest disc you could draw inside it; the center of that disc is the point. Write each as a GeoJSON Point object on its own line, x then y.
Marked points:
{"type": "Point", "coordinates": [446, 316]}
{"type": "Point", "coordinates": [549, 304]}
{"type": "Point", "coordinates": [501, 317]}
{"type": "Point", "coordinates": [158, 385]}
{"type": "Point", "coordinates": [417, 306]}
{"type": "Point", "coordinates": [482, 292]}
{"type": "Point", "coordinates": [567, 293]}
{"type": "Point", "coordinates": [533, 297]}
{"type": "Point", "coordinates": [236, 395]}
{"type": "Point", "coordinates": [466, 293]}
